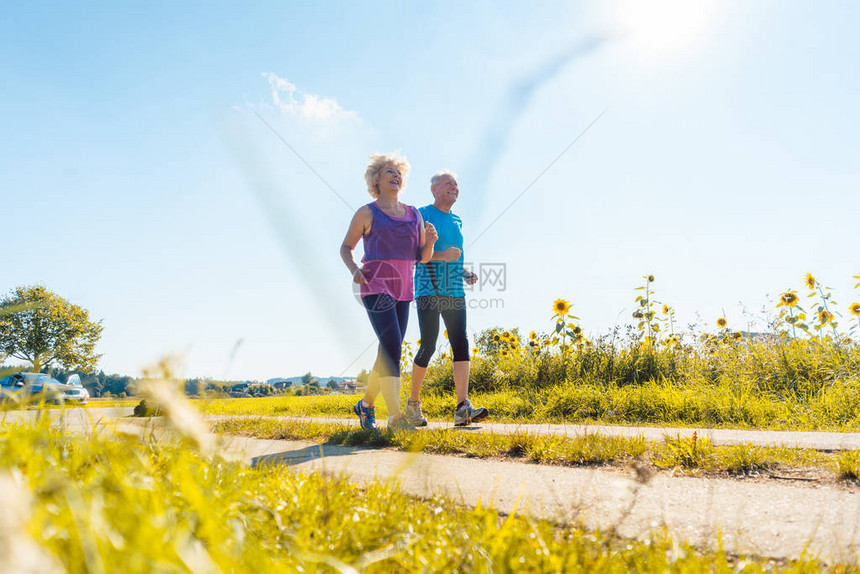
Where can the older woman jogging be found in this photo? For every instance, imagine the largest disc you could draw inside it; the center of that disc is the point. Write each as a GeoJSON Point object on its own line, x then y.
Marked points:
{"type": "Point", "coordinates": [439, 291]}
{"type": "Point", "coordinates": [394, 236]}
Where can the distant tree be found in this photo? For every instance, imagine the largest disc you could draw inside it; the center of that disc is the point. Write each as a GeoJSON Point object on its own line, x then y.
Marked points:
{"type": "Point", "coordinates": [307, 378]}
{"type": "Point", "coordinates": [117, 384]}
{"type": "Point", "coordinates": [332, 384]}
{"type": "Point", "coordinates": [44, 329]}
{"type": "Point", "coordinates": [192, 387]}
{"type": "Point", "coordinates": [362, 377]}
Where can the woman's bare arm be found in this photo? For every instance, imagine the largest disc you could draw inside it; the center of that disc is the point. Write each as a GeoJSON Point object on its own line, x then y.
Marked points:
{"type": "Point", "coordinates": [358, 227]}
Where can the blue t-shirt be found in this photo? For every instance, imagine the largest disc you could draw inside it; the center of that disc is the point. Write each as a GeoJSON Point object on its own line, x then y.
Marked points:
{"type": "Point", "coordinates": [448, 275]}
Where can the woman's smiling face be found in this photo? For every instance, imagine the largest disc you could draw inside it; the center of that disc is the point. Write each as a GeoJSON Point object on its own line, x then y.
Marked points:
{"type": "Point", "coordinates": [389, 179]}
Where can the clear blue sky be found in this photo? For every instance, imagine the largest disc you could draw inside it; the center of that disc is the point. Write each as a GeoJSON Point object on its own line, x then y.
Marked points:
{"type": "Point", "coordinates": [137, 180]}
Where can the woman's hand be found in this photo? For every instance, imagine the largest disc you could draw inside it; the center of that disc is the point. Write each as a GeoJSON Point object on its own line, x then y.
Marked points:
{"type": "Point", "coordinates": [430, 233]}
{"type": "Point", "coordinates": [361, 276]}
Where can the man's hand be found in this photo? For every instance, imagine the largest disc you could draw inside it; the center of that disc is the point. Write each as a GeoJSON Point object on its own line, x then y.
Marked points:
{"type": "Point", "coordinates": [470, 278]}
{"type": "Point", "coordinates": [451, 254]}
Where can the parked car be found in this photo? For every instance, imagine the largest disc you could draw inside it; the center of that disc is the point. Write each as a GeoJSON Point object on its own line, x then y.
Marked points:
{"type": "Point", "coordinates": [31, 387]}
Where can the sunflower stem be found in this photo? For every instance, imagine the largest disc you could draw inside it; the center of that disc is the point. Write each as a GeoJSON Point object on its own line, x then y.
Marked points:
{"type": "Point", "coordinates": [793, 329]}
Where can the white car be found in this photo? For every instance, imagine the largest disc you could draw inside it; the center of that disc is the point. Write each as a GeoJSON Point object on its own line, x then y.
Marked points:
{"type": "Point", "coordinates": [30, 387]}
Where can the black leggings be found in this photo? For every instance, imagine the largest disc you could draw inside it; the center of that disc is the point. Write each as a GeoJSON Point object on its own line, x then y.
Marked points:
{"type": "Point", "coordinates": [388, 318]}
{"type": "Point", "coordinates": [453, 312]}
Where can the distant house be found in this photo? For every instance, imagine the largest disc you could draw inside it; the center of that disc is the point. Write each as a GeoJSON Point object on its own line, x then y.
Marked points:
{"type": "Point", "coordinates": [280, 382]}
{"type": "Point", "coordinates": [348, 386]}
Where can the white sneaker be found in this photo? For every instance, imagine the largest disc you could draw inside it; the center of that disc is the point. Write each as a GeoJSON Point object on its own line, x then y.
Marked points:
{"type": "Point", "coordinates": [466, 414]}
{"type": "Point", "coordinates": [414, 415]}
{"type": "Point", "coordinates": [400, 424]}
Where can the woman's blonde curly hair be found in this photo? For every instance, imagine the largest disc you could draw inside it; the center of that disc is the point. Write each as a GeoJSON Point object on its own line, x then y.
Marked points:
{"type": "Point", "coordinates": [374, 167]}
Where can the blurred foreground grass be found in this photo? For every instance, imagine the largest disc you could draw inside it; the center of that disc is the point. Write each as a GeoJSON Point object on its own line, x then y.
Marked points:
{"type": "Point", "coordinates": [101, 502]}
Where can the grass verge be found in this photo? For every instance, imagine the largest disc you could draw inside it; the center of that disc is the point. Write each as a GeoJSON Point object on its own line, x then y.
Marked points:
{"type": "Point", "coordinates": [591, 449]}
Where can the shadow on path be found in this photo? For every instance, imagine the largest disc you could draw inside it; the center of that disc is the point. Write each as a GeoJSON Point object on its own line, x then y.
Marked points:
{"type": "Point", "coordinates": [291, 457]}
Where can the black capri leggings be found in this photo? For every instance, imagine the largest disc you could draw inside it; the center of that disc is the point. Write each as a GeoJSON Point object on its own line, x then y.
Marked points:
{"type": "Point", "coordinates": [389, 319]}
{"type": "Point", "coordinates": [453, 312]}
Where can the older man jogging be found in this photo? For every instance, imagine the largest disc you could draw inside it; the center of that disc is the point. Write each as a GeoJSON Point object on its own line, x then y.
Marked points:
{"type": "Point", "coordinates": [439, 292]}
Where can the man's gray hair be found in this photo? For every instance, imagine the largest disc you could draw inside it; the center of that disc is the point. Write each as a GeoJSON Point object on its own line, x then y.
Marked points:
{"type": "Point", "coordinates": [438, 175]}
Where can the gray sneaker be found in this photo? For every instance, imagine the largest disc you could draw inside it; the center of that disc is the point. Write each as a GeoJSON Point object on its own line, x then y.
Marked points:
{"type": "Point", "coordinates": [399, 423]}
{"type": "Point", "coordinates": [414, 415]}
{"type": "Point", "coordinates": [466, 414]}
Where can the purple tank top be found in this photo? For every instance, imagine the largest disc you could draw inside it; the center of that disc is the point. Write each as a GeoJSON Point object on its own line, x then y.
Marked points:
{"type": "Point", "coordinates": [390, 251]}
{"type": "Point", "coordinates": [392, 237]}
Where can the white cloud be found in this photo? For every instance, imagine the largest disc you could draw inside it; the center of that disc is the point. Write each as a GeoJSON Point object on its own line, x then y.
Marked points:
{"type": "Point", "coordinates": [291, 100]}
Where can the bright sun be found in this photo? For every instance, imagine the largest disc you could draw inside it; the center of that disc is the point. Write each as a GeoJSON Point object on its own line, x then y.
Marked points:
{"type": "Point", "coordinates": [658, 29]}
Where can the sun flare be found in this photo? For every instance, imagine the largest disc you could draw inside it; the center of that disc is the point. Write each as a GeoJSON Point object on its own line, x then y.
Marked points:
{"type": "Point", "coordinates": [665, 28]}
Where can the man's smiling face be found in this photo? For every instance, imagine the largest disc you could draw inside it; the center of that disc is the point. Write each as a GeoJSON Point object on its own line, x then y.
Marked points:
{"type": "Point", "coordinates": [445, 190]}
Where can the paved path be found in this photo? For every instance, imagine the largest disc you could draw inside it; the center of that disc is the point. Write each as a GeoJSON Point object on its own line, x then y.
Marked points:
{"type": "Point", "coordinates": [815, 440]}
{"type": "Point", "coordinates": [762, 517]}
{"type": "Point", "coordinates": [826, 441]}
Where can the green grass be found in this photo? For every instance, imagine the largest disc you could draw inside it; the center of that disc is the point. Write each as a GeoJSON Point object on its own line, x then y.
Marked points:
{"type": "Point", "coordinates": [589, 449]}
{"type": "Point", "coordinates": [92, 502]}
{"type": "Point", "coordinates": [772, 381]}
{"type": "Point", "coordinates": [848, 465]}
{"type": "Point", "coordinates": [689, 453]}
{"type": "Point", "coordinates": [725, 405]}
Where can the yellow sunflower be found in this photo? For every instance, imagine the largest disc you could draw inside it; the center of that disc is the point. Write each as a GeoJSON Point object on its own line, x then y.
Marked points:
{"type": "Point", "coordinates": [444, 356]}
{"type": "Point", "coordinates": [737, 336]}
{"type": "Point", "coordinates": [506, 336]}
{"type": "Point", "coordinates": [665, 309]}
{"type": "Point", "coordinates": [721, 322]}
{"type": "Point", "coordinates": [474, 350]}
{"type": "Point", "coordinates": [854, 309]}
{"type": "Point", "coordinates": [532, 336]}
{"type": "Point", "coordinates": [789, 299]}
{"type": "Point", "coordinates": [810, 281]}
{"type": "Point", "coordinates": [445, 333]}
{"type": "Point", "coordinates": [496, 338]}
{"type": "Point", "coordinates": [825, 317]}
{"type": "Point", "coordinates": [650, 279]}
{"type": "Point", "coordinates": [561, 307]}
{"type": "Point", "coordinates": [504, 353]}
